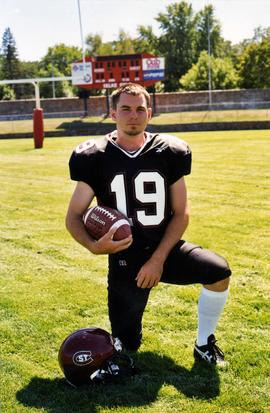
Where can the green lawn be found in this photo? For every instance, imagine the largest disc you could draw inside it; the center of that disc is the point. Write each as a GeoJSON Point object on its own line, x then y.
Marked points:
{"type": "Point", "coordinates": [50, 125]}
{"type": "Point", "coordinates": [50, 286]}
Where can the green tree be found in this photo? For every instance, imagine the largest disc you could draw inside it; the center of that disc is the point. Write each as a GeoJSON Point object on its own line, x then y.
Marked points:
{"type": "Point", "coordinates": [28, 70]}
{"type": "Point", "coordinates": [124, 44]}
{"type": "Point", "coordinates": [58, 59]}
{"type": "Point", "coordinates": [9, 57]}
{"type": "Point", "coordinates": [1, 64]}
{"type": "Point", "coordinates": [147, 41]}
{"type": "Point", "coordinates": [208, 32]}
{"type": "Point", "coordinates": [177, 42]}
{"type": "Point", "coordinates": [7, 92]}
{"type": "Point", "coordinates": [254, 65]}
{"type": "Point", "coordinates": [229, 50]}
{"type": "Point", "coordinates": [93, 44]}
{"type": "Point", "coordinates": [96, 47]}
{"type": "Point", "coordinates": [57, 63]}
{"type": "Point", "coordinates": [61, 89]}
{"type": "Point", "coordinates": [260, 33]}
{"type": "Point", "coordinates": [10, 65]}
{"type": "Point", "coordinates": [223, 74]}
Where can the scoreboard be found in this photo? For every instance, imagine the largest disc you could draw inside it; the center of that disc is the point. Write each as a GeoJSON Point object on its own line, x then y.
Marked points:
{"type": "Point", "coordinates": [109, 72]}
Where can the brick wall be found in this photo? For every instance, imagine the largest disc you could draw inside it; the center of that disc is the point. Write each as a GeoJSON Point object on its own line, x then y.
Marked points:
{"type": "Point", "coordinates": [165, 102]}
{"type": "Point", "coordinates": [222, 99]}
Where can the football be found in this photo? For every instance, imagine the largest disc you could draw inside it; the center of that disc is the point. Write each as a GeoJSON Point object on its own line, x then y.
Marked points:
{"type": "Point", "coordinates": [99, 220]}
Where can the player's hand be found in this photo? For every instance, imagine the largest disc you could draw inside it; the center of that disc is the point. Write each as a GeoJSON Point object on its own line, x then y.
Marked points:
{"type": "Point", "coordinates": [149, 274]}
{"type": "Point", "coordinates": [106, 244]}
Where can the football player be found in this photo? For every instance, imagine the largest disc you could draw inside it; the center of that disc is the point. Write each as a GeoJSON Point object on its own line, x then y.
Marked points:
{"type": "Point", "coordinates": [142, 175]}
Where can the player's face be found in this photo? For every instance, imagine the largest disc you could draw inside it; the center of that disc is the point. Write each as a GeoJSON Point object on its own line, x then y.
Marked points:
{"type": "Point", "coordinates": [131, 114]}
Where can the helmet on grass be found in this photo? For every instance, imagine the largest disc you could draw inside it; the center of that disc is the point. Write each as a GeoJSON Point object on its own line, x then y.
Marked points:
{"type": "Point", "coordinates": [92, 354]}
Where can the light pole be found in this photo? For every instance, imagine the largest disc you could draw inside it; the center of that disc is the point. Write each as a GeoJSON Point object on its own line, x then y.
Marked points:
{"type": "Point", "coordinates": [209, 60]}
{"type": "Point", "coordinates": [53, 84]}
{"type": "Point", "coordinates": [81, 31]}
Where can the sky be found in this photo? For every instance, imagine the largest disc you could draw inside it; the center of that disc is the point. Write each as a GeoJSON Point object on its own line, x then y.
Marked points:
{"type": "Point", "coordinates": [39, 24]}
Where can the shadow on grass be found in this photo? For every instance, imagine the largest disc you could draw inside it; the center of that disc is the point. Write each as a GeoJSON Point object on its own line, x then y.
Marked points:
{"type": "Point", "coordinates": [84, 128]}
{"type": "Point", "coordinates": [79, 127]}
{"type": "Point", "coordinates": [56, 396]}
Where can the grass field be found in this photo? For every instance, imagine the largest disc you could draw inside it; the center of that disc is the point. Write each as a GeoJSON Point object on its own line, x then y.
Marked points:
{"type": "Point", "coordinates": [50, 125]}
{"type": "Point", "coordinates": [50, 286]}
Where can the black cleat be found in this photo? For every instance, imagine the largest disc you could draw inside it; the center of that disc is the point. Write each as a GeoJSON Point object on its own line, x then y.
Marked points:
{"type": "Point", "coordinates": [210, 353]}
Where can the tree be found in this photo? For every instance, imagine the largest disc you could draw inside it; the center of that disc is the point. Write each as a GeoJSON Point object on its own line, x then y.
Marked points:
{"type": "Point", "coordinates": [178, 41]}
{"type": "Point", "coordinates": [147, 41]}
{"type": "Point", "coordinates": [28, 70]}
{"type": "Point", "coordinates": [57, 63]}
{"type": "Point", "coordinates": [223, 74]}
{"type": "Point", "coordinates": [10, 65]}
{"type": "Point", "coordinates": [59, 59]}
{"type": "Point", "coordinates": [124, 44]}
{"type": "Point", "coordinates": [254, 66]}
{"type": "Point", "coordinates": [260, 33]}
{"type": "Point", "coordinates": [9, 57]}
{"type": "Point", "coordinates": [208, 29]}
{"type": "Point", "coordinates": [7, 92]}
{"type": "Point", "coordinates": [93, 44]}
{"type": "Point", "coordinates": [62, 89]}
{"type": "Point", "coordinates": [96, 47]}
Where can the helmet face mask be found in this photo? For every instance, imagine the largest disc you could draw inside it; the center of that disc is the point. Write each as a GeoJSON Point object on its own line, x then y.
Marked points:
{"type": "Point", "coordinates": [84, 352]}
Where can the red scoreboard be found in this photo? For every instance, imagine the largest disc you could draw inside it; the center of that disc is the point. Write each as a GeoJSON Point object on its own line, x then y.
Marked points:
{"type": "Point", "coordinates": [108, 72]}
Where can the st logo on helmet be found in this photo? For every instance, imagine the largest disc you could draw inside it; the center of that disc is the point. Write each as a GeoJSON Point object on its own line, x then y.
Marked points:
{"type": "Point", "coordinates": [81, 358]}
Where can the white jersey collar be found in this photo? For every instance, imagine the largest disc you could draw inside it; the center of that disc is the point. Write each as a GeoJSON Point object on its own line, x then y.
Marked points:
{"type": "Point", "coordinates": [113, 135]}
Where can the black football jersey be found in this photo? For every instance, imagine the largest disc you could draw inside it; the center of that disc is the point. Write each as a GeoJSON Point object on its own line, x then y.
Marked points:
{"type": "Point", "coordinates": [137, 184]}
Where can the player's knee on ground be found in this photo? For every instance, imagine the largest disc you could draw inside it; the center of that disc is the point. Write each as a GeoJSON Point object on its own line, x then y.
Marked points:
{"type": "Point", "coordinates": [126, 307]}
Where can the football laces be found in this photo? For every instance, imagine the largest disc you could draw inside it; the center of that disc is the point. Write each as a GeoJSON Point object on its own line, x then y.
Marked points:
{"type": "Point", "coordinates": [106, 213]}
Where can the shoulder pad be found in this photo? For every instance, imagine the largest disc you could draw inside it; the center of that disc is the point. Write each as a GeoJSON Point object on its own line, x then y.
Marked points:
{"type": "Point", "coordinates": [174, 143]}
{"type": "Point", "coordinates": [91, 146]}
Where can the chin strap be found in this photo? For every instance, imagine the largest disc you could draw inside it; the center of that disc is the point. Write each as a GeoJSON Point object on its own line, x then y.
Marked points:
{"type": "Point", "coordinates": [117, 367]}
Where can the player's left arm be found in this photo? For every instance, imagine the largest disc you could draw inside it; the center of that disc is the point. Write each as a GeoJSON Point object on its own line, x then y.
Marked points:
{"type": "Point", "coordinates": [150, 273]}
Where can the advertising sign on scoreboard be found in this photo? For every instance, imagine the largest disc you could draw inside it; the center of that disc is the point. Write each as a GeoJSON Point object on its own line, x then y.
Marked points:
{"type": "Point", "coordinates": [153, 68]}
{"type": "Point", "coordinates": [82, 73]}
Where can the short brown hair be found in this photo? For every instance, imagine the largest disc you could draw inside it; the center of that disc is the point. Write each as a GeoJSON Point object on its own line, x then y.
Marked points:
{"type": "Point", "coordinates": [131, 89]}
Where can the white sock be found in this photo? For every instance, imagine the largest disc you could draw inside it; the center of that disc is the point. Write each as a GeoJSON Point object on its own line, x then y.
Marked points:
{"type": "Point", "coordinates": [210, 306]}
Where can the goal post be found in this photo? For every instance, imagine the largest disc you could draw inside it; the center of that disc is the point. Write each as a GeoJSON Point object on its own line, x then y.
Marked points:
{"type": "Point", "coordinates": [38, 124]}
{"type": "Point", "coordinates": [38, 127]}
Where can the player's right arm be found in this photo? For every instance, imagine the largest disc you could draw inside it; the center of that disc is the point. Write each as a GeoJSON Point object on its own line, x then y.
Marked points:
{"type": "Point", "coordinates": [80, 201]}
